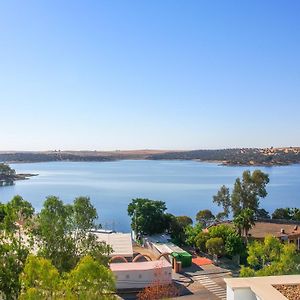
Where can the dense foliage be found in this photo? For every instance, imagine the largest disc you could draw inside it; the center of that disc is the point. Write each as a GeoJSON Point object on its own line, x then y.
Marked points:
{"type": "Point", "coordinates": [60, 235]}
{"type": "Point", "coordinates": [88, 280]}
{"type": "Point", "coordinates": [271, 257]}
{"type": "Point", "coordinates": [287, 214]}
{"type": "Point", "coordinates": [6, 170]}
{"type": "Point", "coordinates": [205, 217]}
{"type": "Point", "coordinates": [63, 233]}
{"type": "Point", "coordinates": [148, 216]}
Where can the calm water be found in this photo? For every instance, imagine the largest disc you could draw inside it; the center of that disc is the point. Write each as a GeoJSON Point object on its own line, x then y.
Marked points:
{"type": "Point", "coordinates": [185, 186]}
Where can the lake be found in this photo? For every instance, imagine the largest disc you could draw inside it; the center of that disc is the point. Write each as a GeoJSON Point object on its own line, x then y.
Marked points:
{"type": "Point", "coordinates": [185, 186]}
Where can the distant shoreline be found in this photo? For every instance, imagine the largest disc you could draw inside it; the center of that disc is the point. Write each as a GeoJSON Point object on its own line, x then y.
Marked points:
{"type": "Point", "coordinates": [227, 157]}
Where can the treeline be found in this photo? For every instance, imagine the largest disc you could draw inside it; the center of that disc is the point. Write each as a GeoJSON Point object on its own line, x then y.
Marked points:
{"type": "Point", "coordinates": [50, 156]}
{"type": "Point", "coordinates": [247, 156]}
{"type": "Point", "coordinates": [7, 174]}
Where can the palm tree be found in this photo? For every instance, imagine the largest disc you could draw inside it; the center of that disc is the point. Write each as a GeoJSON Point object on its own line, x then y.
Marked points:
{"type": "Point", "coordinates": [244, 221]}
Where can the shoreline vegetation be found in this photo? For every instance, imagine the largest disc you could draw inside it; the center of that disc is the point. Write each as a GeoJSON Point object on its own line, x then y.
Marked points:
{"type": "Point", "coordinates": [227, 157]}
{"type": "Point", "coordinates": [8, 175]}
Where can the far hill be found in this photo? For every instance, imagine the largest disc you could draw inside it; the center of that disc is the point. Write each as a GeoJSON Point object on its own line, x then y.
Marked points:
{"type": "Point", "coordinates": [237, 156]}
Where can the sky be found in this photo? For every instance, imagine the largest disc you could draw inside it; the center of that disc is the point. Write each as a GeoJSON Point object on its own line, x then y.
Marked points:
{"type": "Point", "coordinates": [159, 74]}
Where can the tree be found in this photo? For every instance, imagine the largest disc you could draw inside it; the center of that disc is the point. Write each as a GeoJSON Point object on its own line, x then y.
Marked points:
{"type": "Point", "coordinates": [191, 232]}
{"type": "Point", "coordinates": [201, 239]}
{"type": "Point", "coordinates": [271, 257]}
{"type": "Point", "coordinates": [13, 248]}
{"type": "Point", "coordinates": [205, 217]}
{"type": "Point", "coordinates": [221, 216]}
{"type": "Point", "coordinates": [244, 221]}
{"type": "Point", "coordinates": [40, 279]}
{"type": "Point", "coordinates": [184, 221]}
{"type": "Point", "coordinates": [90, 280]}
{"type": "Point", "coordinates": [12, 260]}
{"type": "Point", "coordinates": [63, 233]}
{"type": "Point", "coordinates": [16, 210]}
{"type": "Point", "coordinates": [262, 214]}
{"type": "Point", "coordinates": [147, 216]}
{"type": "Point", "coordinates": [223, 198]}
{"type": "Point", "coordinates": [234, 244]}
{"type": "Point", "coordinates": [246, 193]}
{"type": "Point", "coordinates": [286, 214]}
{"type": "Point", "coordinates": [54, 234]}
{"type": "Point", "coordinates": [282, 213]}
{"type": "Point", "coordinates": [177, 227]}
{"type": "Point", "coordinates": [215, 246]}
{"type": "Point", "coordinates": [232, 241]}
{"type": "Point", "coordinates": [6, 170]}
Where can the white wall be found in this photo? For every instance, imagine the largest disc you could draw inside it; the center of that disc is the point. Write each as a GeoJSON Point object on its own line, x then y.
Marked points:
{"type": "Point", "coordinates": [240, 294]}
{"type": "Point", "coordinates": [128, 279]}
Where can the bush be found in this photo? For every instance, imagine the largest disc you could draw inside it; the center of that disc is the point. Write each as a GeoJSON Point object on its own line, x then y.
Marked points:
{"type": "Point", "coordinates": [215, 246]}
{"type": "Point", "coordinates": [201, 240]}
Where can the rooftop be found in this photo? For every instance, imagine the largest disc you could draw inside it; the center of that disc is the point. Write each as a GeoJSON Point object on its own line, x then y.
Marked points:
{"type": "Point", "coordinates": [277, 229]}
{"type": "Point", "coordinates": [261, 229]}
{"type": "Point", "coordinates": [263, 287]}
{"type": "Point", "coordinates": [121, 243]}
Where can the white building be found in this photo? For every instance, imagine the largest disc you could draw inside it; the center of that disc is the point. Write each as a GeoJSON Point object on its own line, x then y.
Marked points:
{"type": "Point", "coordinates": [259, 288]}
{"type": "Point", "coordinates": [136, 275]}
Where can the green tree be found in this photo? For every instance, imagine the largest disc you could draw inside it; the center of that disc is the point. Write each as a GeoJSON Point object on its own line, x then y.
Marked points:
{"type": "Point", "coordinates": [54, 234]}
{"type": "Point", "coordinates": [205, 217]}
{"type": "Point", "coordinates": [215, 246]}
{"type": "Point", "coordinates": [234, 244]}
{"type": "Point", "coordinates": [244, 221]}
{"type": "Point", "coordinates": [271, 257]}
{"type": "Point", "coordinates": [177, 227]}
{"type": "Point", "coordinates": [184, 221]}
{"type": "Point", "coordinates": [90, 280]}
{"type": "Point", "coordinates": [63, 233]}
{"type": "Point", "coordinates": [282, 213]}
{"type": "Point", "coordinates": [6, 170]}
{"type": "Point", "coordinates": [191, 232]}
{"type": "Point", "coordinates": [12, 260]}
{"type": "Point", "coordinates": [262, 214]}
{"type": "Point", "coordinates": [147, 216]}
{"type": "Point", "coordinates": [40, 279]}
{"type": "Point", "coordinates": [246, 193]}
{"type": "Point", "coordinates": [221, 216]}
{"type": "Point", "coordinates": [223, 199]}
{"type": "Point", "coordinates": [13, 248]}
{"type": "Point", "coordinates": [201, 239]}
{"type": "Point", "coordinates": [232, 241]}
{"type": "Point", "coordinates": [2, 213]}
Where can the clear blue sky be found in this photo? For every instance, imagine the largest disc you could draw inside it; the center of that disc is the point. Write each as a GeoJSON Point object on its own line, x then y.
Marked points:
{"type": "Point", "coordinates": [149, 74]}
